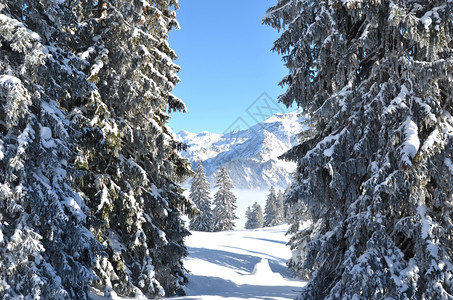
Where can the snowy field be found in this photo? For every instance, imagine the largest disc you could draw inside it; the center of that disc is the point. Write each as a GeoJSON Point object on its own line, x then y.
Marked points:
{"type": "Point", "coordinates": [241, 264]}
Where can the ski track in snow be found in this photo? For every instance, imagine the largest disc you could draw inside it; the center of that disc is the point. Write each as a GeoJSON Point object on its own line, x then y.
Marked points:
{"type": "Point", "coordinates": [239, 264]}
{"type": "Point", "coordinates": [242, 264]}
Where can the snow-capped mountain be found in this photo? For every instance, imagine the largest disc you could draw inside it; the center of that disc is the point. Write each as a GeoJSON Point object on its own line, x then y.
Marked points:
{"type": "Point", "coordinates": [250, 156]}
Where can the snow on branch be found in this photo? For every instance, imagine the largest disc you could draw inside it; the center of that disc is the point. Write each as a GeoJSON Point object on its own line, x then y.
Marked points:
{"type": "Point", "coordinates": [398, 101]}
{"type": "Point", "coordinates": [331, 140]}
{"type": "Point", "coordinates": [412, 142]}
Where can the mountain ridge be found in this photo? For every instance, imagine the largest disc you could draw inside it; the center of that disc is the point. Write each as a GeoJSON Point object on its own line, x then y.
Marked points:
{"type": "Point", "coordinates": [250, 156]}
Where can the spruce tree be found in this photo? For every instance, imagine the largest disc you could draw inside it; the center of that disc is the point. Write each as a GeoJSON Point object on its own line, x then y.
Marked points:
{"type": "Point", "coordinates": [224, 203]}
{"type": "Point", "coordinates": [271, 213]}
{"type": "Point", "coordinates": [201, 197]}
{"type": "Point", "coordinates": [375, 171]}
{"type": "Point", "coordinates": [129, 156]}
{"type": "Point", "coordinates": [47, 251]}
{"type": "Point", "coordinates": [281, 209]}
{"type": "Point", "coordinates": [248, 214]}
{"type": "Point", "coordinates": [85, 87]}
{"type": "Point", "coordinates": [255, 217]}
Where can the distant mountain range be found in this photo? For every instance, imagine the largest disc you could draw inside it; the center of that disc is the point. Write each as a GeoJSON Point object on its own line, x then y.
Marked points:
{"type": "Point", "coordinates": [250, 156]}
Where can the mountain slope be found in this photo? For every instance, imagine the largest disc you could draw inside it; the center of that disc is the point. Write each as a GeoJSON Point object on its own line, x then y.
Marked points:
{"type": "Point", "coordinates": [250, 156]}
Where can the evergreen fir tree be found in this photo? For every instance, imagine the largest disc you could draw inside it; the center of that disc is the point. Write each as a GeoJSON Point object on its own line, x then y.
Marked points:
{"type": "Point", "coordinates": [85, 90]}
{"type": "Point", "coordinates": [271, 213]}
{"type": "Point", "coordinates": [224, 203]}
{"type": "Point", "coordinates": [130, 157]}
{"type": "Point", "coordinates": [201, 196]}
{"type": "Point", "coordinates": [255, 217]}
{"type": "Point", "coordinates": [248, 214]}
{"type": "Point", "coordinates": [258, 212]}
{"type": "Point", "coordinates": [376, 169]}
{"type": "Point", "coordinates": [281, 209]}
{"type": "Point", "coordinates": [47, 251]}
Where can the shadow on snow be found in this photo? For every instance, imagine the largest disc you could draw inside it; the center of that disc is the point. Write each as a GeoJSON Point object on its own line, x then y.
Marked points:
{"type": "Point", "coordinates": [266, 240]}
{"type": "Point", "coordinates": [214, 286]}
{"type": "Point", "coordinates": [240, 262]}
{"type": "Point", "coordinates": [230, 260]}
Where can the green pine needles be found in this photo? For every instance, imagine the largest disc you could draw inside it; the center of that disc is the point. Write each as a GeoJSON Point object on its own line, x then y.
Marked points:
{"type": "Point", "coordinates": [89, 169]}
{"type": "Point", "coordinates": [374, 173]}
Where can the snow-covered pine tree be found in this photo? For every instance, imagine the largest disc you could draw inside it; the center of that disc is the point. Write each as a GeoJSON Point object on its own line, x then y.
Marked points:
{"type": "Point", "coordinates": [376, 77]}
{"type": "Point", "coordinates": [255, 217]}
{"type": "Point", "coordinates": [281, 210]}
{"type": "Point", "coordinates": [46, 249]}
{"type": "Point", "coordinates": [271, 213]}
{"type": "Point", "coordinates": [201, 196]}
{"type": "Point", "coordinates": [130, 158]}
{"type": "Point", "coordinates": [248, 214]}
{"type": "Point", "coordinates": [224, 203]}
{"type": "Point", "coordinates": [257, 211]}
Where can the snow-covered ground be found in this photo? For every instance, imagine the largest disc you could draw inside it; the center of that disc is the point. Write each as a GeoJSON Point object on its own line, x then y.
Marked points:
{"type": "Point", "coordinates": [241, 264]}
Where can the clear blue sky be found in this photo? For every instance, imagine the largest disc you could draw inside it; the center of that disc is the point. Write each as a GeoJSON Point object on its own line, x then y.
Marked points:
{"type": "Point", "coordinates": [226, 65]}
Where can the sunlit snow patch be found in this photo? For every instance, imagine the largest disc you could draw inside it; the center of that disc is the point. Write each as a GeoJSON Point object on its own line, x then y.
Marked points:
{"type": "Point", "coordinates": [412, 142]}
{"type": "Point", "coordinates": [262, 273]}
{"type": "Point", "coordinates": [46, 137]}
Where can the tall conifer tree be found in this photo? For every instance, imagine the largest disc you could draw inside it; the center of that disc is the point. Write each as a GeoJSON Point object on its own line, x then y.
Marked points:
{"type": "Point", "coordinates": [281, 208]}
{"type": "Point", "coordinates": [131, 159]}
{"type": "Point", "coordinates": [271, 213]}
{"type": "Point", "coordinates": [85, 88]}
{"type": "Point", "coordinates": [376, 171]}
{"type": "Point", "coordinates": [224, 203]}
{"type": "Point", "coordinates": [47, 251]}
{"type": "Point", "coordinates": [201, 196]}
